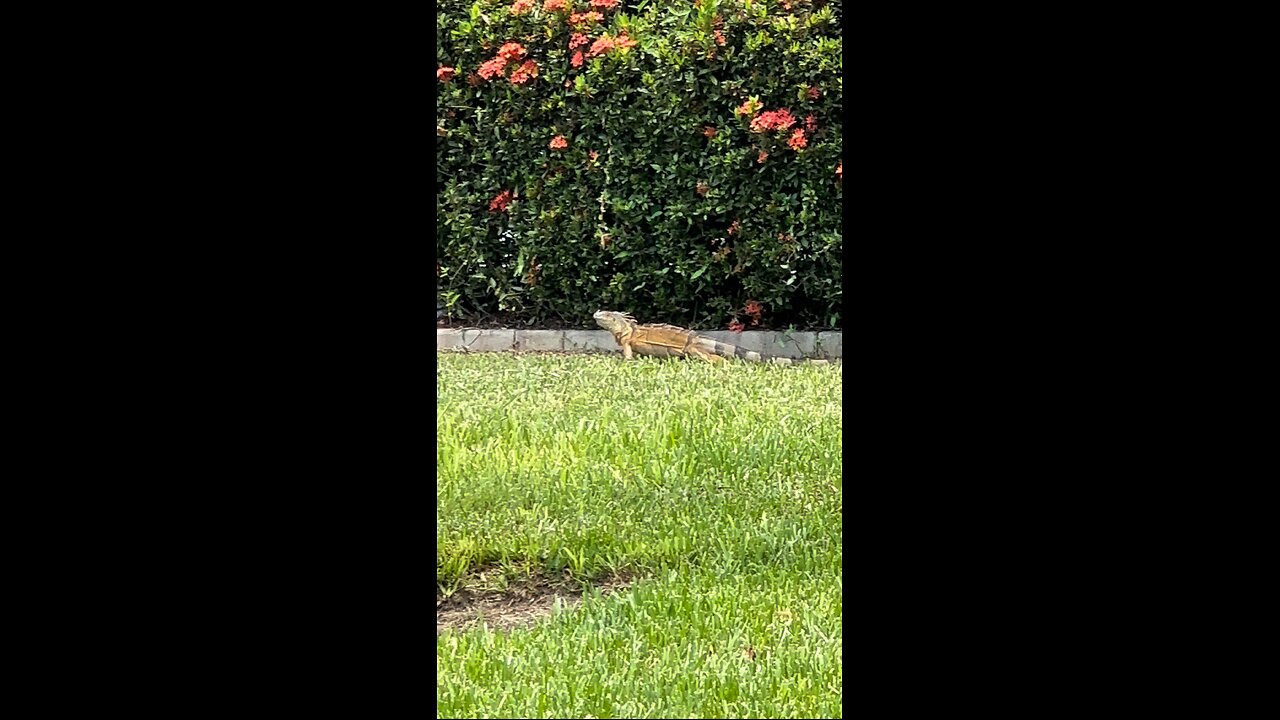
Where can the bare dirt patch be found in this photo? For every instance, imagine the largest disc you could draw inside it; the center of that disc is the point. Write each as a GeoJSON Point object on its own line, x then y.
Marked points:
{"type": "Point", "coordinates": [516, 607]}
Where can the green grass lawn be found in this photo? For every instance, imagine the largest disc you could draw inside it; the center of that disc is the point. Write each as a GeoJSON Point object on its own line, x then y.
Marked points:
{"type": "Point", "coordinates": [715, 490]}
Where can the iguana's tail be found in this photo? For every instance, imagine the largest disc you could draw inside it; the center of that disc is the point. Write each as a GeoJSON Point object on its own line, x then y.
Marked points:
{"type": "Point", "coordinates": [733, 351]}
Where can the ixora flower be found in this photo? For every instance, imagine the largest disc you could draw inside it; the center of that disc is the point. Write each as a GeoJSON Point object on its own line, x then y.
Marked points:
{"type": "Point", "coordinates": [445, 74]}
{"type": "Point", "coordinates": [581, 20]}
{"type": "Point", "coordinates": [814, 93]}
{"type": "Point", "coordinates": [500, 202]}
{"type": "Point", "coordinates": [575, 61]}
{"type": "Point", "coordinates": [553, 5]}
{"type": "Point", "coordinates": [578, 40]}
{"type": "Point", "coordinates": [512, 51]}
{"type": "Point", "coordinates": [490, 69]}
{"type": "Point", "coordinates": [604, 4]}
{"type": "Point", "coordinates": [520, 7]}
{"type": "Point", "coordinates": [839, 171]}
{"type": "Point", "coordinates": [559, 143]}
{"type": "Point", "coordinates": [773, 120]}
{"type": "Point", "coordinates": [763, 156]}
{"type": "Point", "coordinates": [524, 73]}
{"type": "Point", "coordinates": [605, 43]}
{"type": "Point", "coordinates": [735, 325]}
{"type": "Point", "coordinates": [709, 131]}
{"type": "Point", "coordinates": [798, 141]}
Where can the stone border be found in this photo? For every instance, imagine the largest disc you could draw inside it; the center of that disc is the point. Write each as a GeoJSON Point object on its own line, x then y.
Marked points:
{"type": "Point", "coordinates": [766, 342]}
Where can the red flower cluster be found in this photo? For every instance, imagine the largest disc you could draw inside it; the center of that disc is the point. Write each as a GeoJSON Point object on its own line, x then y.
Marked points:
{"type": "Point", "coordinates": [719, 37]}
{"type": "Point", "coordinates": [763, 156]}
{"type": "Point", "coordinates": [754, 310]}
{"type": "Point", "coordinates": [773, 120]}
{"type": "Point", "coordinates": [798, 141]}
{"type": "Point", "coordinates": [524, 73]}
{"type": "Point", "coordinates": [575, 61]}
{"type": "Point", "coordinates": [520, 7]}
{"type": "Point", "coordinates": [445, 74]}
{"type": "Point", "coordinates": [840, 171]}
{"type": "Point", "coordinates": [559, 143]}
{"type": "Point", "coordinates": [814, 93]}
{"type": "Point", "coordinates": [551, 5]}
{"type": "Point", "coordinates": [578, 40]}
{"type": "Point", "coordinates": [736, 326]}
{"type": "Point", "coordinates": [709, 131]}
{"type": "Point", "coordinates": [605, 43]}
{"type": "Point", "coordinates": [734, 227]}
{"type": "Point", "coordinates": [490, 69]}
{"type": "Point", "coordinates": [604, 4]}
{"type": "Point", "coordinates": [581, 20]}
{"type": "Point", "coordinates": [509, 53]}
{"type": "Point", "coordinates": [500, 201]}
{"type": "Point", "coordinates": [810, 123]}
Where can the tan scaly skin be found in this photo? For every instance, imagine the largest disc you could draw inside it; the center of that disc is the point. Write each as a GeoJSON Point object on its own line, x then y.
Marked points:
{"type": "Point", "coordinates": [670, 341]}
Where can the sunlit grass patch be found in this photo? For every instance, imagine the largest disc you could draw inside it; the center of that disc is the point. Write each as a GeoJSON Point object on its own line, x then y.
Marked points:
{"type": "Point", "coordinates": [697, 644]}
{"type": "Point", "coordinates": [717, 487]}
{"type": "Point", "coordinates": [597, 465]}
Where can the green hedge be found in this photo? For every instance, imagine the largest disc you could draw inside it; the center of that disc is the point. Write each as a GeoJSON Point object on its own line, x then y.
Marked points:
{"type": "Point", "coordinates": [641, 161]}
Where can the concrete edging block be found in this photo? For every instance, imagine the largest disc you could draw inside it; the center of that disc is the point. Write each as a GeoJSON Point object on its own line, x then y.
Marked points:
{"type": "Point", "coordinates": [539, 340]}
{"type": "Point", "coordinates": [795, 344]}
{"type": "Point", "coordinates": [590, 341]}
{"type": "Point", "coordinates": [831, 344]}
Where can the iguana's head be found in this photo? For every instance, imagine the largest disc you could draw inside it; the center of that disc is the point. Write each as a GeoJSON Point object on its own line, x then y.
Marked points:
{"type": "Point", "coordinates": [613, 321]}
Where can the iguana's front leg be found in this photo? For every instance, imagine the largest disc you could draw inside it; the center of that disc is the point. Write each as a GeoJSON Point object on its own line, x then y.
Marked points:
{"type": "Point", "coordinates": [626, 349]}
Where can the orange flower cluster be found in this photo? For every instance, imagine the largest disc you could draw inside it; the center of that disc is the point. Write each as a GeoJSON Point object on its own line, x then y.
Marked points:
{"type": "Point", "coordinates": [524, 73]}
{"type": "Point", "coordinates": [582, 20]}
{"type": "Point", "coordinates": [445, 74]}
{"type": "Point", "coordinates": [798, 141]}
{"type": "Point", "coordinates": [509, 53]}
{"type": "Point", "coordinates": [490, 69]}
{"type": "Point", "coordinates": [512, 51]}
{"type": "Point", "coordinates": [520, 7]}
{"type": "Point", "coordinates": [605, 43]}
{"type": "Point", "coordinates": [559, 143]}
{"type": "Point", "coordinates": [553, 5]}
{"type": "Point", "coordinates": [500, 201]}
{"type": "Point", "coordinates": [781, 119]}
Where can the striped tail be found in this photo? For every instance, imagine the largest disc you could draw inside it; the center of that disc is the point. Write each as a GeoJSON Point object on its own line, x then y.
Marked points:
{"type": "Point", "coordinates": [733, 351]}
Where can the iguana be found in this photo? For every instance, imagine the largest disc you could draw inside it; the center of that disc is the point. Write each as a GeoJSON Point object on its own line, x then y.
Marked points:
{"type": "Point", "coordinates": [670, 341]}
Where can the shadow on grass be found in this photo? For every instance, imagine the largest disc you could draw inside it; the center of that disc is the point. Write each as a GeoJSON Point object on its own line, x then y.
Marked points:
{"type": "Point", "coordinates": [520, 605]}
